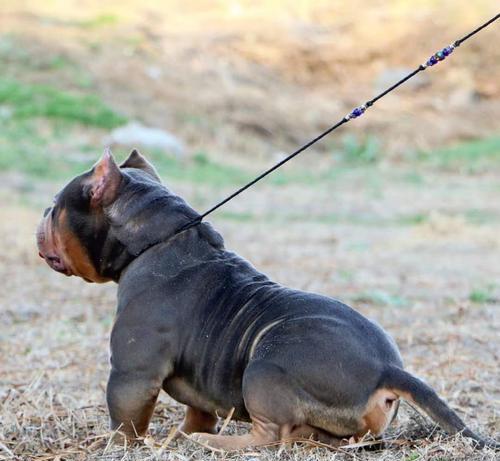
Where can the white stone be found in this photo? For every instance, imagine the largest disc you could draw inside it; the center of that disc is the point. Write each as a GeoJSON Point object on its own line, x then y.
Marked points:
{"type": "Point", "coordinates": [134, 134]}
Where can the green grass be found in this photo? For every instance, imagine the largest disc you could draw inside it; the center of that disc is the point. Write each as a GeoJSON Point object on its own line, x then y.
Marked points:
{"type": "Point", "coordinates": [475, 216]}
{"type": "Point", "coordinates": [326, 218]}
{"type": "Point", "coordinates": [474, 156]}
{"type": "Point", "coordinates": [99, 21]}
{"type": "Point", "coordinates": [381, 298]}
{"type": "Point", "coordinates": [413, 219]}
{"type": "Point", "coordinates": [33, 100]}
{"type": "Point", "coordinates": [483, 295]}
{"type": "Point", "coordinates": [239, 217]}
{"type": "Point", "coordinates": [358, 150]}
{"type": "Point", "coordinates": [199, 169]}
{"type": "Point", "coordinates": [469, 157]}
{"type": "Point", "coordinates": [412, 457]}
{"type": "Point", "coordinates": [47, 151]}
{"type": "Point", "coordinates": [39, 124]}
{"type": "Point", "coordinates": [413, 177]}
{"type": "Point", "coordinates": [41, 131]}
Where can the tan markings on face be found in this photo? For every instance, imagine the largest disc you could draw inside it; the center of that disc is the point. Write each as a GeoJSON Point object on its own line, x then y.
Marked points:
{"type": "Point", "coordinates": [73, 253]}
{"type": "Point", "coordinates": [379, 412]}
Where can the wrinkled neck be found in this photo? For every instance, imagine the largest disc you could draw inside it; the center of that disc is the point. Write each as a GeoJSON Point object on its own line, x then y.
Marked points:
{"type": "Point", "coordinates": [145, 214]}
{"type": "Point", "coordinates": [114, 258]}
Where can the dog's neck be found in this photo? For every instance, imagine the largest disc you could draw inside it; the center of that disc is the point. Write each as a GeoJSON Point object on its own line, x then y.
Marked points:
{"type": "Point", "coordinates": [146, 213]}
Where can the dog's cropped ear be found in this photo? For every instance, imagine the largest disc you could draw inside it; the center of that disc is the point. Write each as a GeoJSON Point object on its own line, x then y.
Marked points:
{"type": "Point", "coordinates": [136, 160]}
{"type": "Point", "coordinates": [105, 180]}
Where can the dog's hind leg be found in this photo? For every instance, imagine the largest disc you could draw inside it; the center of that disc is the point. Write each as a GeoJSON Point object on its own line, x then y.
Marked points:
{"type": "Point", "coordinates": [273, 403]}
{"type": "Point", "coordinates": [306, 432]}
{"type": "Point", "coordinates": [263, 432]}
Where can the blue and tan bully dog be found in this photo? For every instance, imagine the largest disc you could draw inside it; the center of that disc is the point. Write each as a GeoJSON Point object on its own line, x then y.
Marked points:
{"type": "Point", "coordinates": [201, 323]}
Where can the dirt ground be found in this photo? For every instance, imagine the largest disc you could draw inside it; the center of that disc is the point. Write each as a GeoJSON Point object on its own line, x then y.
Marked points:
{"type": "Point", "coordinates": [419, 280]}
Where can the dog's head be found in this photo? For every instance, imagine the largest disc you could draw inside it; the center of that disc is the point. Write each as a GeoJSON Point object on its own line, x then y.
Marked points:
{"type": "Point", "coordinates": [105, 217]}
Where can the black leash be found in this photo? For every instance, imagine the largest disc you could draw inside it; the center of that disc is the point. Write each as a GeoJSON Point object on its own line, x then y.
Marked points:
{"type": "Point", "coordinates": [356, 112]}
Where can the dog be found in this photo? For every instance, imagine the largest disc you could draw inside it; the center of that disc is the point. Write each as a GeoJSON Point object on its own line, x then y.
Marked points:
{"type": "Point", "coordinates": [201, 323]}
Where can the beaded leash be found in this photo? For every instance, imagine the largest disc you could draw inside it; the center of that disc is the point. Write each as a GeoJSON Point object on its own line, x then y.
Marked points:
{"type": "Point", "coordinates": [355, 113]}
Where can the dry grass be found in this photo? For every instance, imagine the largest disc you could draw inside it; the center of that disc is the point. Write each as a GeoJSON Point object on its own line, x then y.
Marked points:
{"type": "Point", "coordinates": [415, 279]}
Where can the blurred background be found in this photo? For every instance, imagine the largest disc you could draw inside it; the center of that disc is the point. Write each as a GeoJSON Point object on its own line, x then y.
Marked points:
{"type": "Point", "coordinates": [397, 213]}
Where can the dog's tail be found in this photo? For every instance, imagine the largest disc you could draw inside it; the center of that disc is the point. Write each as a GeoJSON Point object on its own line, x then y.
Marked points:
{"type": "Point", "coordinates": [416, 391]}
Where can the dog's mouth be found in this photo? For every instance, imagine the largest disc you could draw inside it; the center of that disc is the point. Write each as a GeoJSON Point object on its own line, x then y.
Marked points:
{"type": "Point", "coordinates": [48, 251]}
{"type": "Point", "coordinates": [56, 263]}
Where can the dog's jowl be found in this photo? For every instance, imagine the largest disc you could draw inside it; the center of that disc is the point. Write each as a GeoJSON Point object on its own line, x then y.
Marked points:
{"type": "Point", "coordinates": [204, 325]}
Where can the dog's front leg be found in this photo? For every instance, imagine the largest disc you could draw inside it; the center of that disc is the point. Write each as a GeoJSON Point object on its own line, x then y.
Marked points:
{"type": "Point", "coordinates": [131, 399]}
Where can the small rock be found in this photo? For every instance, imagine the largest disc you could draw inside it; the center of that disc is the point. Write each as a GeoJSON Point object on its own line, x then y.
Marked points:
{"type": "Point", "coordinates": [134, 134]}
{"type": "Point", "coordinates": [389, 77]}
{"type": "Point", "coordinates": [154, 72]}
{"type": "Point", "coordinates": [462, 97]}
{"type": "Point", "coordinates": [5, 112]}
{"type": "Point", "coordinates": [279, 156]}
{"type": "Point", "coordinates": [24, 312]}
